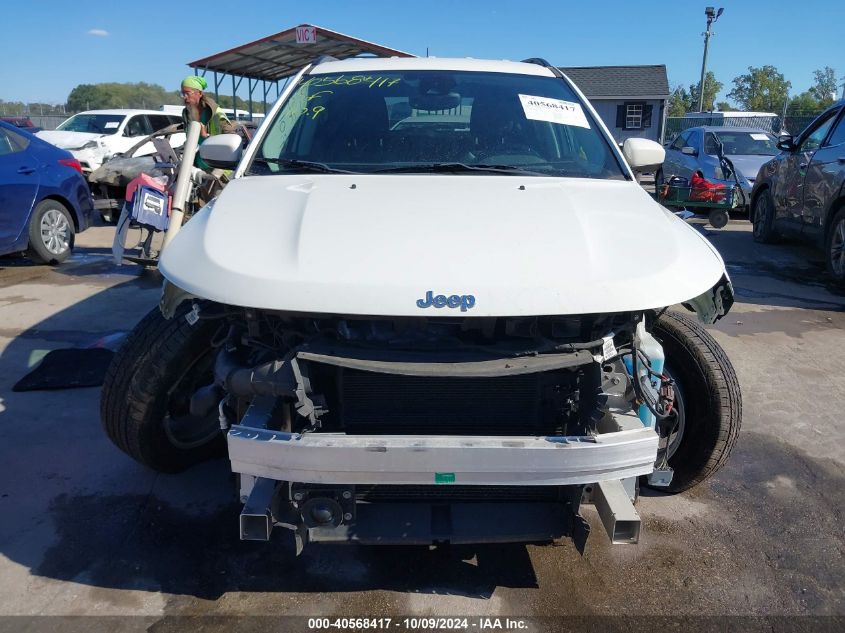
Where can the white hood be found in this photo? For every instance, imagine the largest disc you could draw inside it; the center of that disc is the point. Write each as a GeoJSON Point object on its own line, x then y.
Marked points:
{"type": "Point", "coordinates": [375, 245]}
{"type": "Point", "coordinates": [67, 140]}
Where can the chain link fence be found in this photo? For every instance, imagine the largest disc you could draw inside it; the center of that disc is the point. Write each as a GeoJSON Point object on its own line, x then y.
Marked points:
{"type": "Point", "coordinates": [793, 124]}
{"type": "Point", "coordinates": [48, 121]}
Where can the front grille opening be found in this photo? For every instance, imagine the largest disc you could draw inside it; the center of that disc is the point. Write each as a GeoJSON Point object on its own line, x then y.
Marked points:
{"type": "Point", "coordinates": [533, 404]}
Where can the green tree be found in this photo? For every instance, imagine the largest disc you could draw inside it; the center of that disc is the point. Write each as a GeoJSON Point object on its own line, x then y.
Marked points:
{"type": "Point", "coordinates": [761, 89]}
{"type": "Point", "coordinates": [805, 103]}
{"type": "Point", "coordinates": [679, 102]}
{"type": "Point", "coordinates": [724, 106]}
{"type": "Point", "coordinates": [136, 95]}
{"type": "Point", "coordinates": [824, 89]}
{"type": "Point", "coordinates": [226, 102]}
{"type": "Point", "coordinates": [119, 95]}
{"type": "Point", "coordinates": [711, 89]}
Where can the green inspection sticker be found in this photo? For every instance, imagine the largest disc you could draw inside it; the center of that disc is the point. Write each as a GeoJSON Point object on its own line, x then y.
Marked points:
{"type": "Point", "coordinates": [444, 478]}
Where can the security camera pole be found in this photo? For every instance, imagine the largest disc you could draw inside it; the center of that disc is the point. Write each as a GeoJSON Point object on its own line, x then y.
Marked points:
{"type": "Point", "coordinates": [712, 16]}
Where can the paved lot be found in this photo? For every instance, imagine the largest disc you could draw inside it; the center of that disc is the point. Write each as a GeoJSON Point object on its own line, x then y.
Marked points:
{"type": "Point", "coordinates": [86, 531]}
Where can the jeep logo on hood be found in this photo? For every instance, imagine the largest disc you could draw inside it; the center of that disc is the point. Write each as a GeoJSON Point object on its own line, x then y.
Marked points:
{"type": "Point", "coordinates": [464, 302]}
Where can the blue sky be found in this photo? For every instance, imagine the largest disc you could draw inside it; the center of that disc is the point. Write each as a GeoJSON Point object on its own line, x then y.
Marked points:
{"type": "Point", "coordinates": [50, 47]}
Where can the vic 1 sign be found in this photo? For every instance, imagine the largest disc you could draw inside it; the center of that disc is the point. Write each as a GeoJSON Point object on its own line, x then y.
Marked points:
{"type": "Point", "coordinates": [306, 34]}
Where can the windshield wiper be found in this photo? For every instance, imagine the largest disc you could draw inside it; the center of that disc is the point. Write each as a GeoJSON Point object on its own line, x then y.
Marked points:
{"type": "Point", "coordinates": [306, 165]}
{"type": "Point", "coordinates": [459, 167]}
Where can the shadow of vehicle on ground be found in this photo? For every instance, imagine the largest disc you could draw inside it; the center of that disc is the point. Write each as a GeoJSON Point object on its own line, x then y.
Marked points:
{"type": "Point", "coordinates": [76, 509]}
{"type": "Point", "coordinates": [80, 510]}
{"type": "Point", "coordinates": [786, 274]}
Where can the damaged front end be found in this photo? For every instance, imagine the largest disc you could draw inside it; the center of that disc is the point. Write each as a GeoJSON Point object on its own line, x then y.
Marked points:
{"type": "Point", "coordinates": [420, 430]}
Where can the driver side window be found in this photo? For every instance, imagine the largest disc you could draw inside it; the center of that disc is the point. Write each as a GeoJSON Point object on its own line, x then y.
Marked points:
{"type": "Point", "coordinates": [815, 138]}
{"type": "Point", "coordinates": [137, 126]}
{"type": "Point", "coordinates": [681, 141]}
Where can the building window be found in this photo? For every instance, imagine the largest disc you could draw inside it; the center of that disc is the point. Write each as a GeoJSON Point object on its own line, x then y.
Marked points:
{"type": "Point", "coordinates": [634, 116]}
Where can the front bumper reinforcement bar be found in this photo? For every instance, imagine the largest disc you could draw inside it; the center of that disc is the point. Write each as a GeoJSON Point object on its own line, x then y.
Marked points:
{"type": "Point", "coordinates": [337, 458]}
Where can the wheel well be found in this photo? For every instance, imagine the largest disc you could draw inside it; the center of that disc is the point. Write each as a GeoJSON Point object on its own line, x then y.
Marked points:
{"type": "Point", "coordinates": [67, 205]}
{"type": "Point", "coordinates": [834, 209]}
{"type": "Point", "coordinates": [754, 199]}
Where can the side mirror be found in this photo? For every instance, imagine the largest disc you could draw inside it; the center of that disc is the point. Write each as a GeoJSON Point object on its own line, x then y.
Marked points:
{"type": "Point", "coordinates": [643, 154]}
{"type": "Point", "coordinates": [222, 151]}
{"type": "Point", "coordinates": [786, 143]}
{"type": "Point", "coordinates": [689, 151]}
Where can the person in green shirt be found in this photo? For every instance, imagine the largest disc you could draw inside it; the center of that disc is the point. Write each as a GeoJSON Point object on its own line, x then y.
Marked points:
{"type": "Point", "coordinates": [201, 107]}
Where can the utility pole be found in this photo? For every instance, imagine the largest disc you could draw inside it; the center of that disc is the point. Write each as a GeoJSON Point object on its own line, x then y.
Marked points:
{"type": "Point", "coordinates": [712, 16]}
{"type": "Point", "coordinates": [783, 116]}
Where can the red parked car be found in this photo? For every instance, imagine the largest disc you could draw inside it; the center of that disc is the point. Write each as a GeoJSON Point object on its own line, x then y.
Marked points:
{"type": "Point", "coordinates": [23, 122]}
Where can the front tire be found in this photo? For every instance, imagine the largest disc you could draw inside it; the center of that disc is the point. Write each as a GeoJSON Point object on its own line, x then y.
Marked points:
{"type": "Point", "coordinates": [711, 400]}
{"type": "Point", "coordinates": [763, 218]}
{"type": "Point", "coordinates": [659, 181]}
{"type": "Point", "coordinates": [835, 248]}
{"type": "Point", "coordinates": [51, 234]}
{"type": "Point", "coordinates": [147, 389]}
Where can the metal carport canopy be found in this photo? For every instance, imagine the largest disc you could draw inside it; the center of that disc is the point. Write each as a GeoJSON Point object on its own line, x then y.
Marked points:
{"type": "Point", "coordinates": [278, 56]}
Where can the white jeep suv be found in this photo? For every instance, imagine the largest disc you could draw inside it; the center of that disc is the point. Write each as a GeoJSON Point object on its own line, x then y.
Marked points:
{"type": "Point", "coordinates": [431, 306]}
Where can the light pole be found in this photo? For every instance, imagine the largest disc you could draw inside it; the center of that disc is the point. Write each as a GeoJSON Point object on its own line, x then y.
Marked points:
{"type": "Point", "coordinates": [712, 16]}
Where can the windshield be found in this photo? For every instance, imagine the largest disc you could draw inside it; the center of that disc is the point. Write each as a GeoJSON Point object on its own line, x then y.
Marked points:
{"type": "Point", "coordinates": [741, 143]}
{"type": "Point", "coordinates": [443, 121]}
{"type": "Point", "coordinates": [93, 123]}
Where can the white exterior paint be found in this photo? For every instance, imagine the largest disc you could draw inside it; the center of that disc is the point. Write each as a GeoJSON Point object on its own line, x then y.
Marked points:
{"type": "Point", "coordinates": [520, 245]}
{"type": "Point", "coordinates": [311, 243]}
{"type": "Point", "coordinates": [380, 64]}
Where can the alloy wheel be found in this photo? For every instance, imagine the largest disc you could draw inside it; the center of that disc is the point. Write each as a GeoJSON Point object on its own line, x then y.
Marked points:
{"type": "Point", "coordinates": [55, 231]}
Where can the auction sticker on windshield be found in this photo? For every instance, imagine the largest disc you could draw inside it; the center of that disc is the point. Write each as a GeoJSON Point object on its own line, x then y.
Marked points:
{"type": "Point", "coordinates": [554, 111]}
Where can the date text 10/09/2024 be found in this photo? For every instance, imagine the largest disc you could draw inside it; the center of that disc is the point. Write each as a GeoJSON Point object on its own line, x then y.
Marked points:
{"type": "Point", "coordinates": [419, 624]}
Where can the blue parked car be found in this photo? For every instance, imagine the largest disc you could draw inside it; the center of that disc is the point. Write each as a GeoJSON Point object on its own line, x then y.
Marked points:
{"type": "Point", "coordinates": [697, 149]}
{"type": "Point", "coordinates": [44, 200]}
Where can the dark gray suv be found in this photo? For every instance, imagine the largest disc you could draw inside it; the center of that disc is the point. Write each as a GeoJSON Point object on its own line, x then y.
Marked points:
{"type": "Point", "coordinates": [801, 192]}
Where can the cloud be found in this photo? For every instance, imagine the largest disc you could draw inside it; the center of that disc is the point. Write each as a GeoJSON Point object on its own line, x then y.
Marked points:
{"type": "Point", "coordinates": [99, 32]}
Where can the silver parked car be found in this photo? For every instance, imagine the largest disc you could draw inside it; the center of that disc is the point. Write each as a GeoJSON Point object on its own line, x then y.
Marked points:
{"type": "Point", "coordinates": [697, 149]}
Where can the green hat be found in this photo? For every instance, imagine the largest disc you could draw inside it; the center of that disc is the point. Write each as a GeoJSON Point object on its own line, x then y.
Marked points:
{"type": "Point", "coordinates": [195, 82]}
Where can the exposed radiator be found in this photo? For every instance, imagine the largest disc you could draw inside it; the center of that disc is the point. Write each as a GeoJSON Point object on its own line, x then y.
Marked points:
{"type": "Point", "coordinates": [532, 404]}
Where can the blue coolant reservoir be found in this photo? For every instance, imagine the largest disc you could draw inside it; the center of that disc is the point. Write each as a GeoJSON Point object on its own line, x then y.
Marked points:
{"type": "Point", "coordinates": [654, 352]}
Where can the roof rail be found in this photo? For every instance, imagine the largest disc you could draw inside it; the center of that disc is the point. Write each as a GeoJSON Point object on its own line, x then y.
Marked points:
{"type": "Point", "coordinates": [542, 62]}
{"type": "Point", "coordinates": [537, 60]}
{"type": "Point", "coordinates": [324, 58]}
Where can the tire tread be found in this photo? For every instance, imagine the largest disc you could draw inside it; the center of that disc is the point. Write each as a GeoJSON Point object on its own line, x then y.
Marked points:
{"type": "Point", "coordinates": [133, 397]}
{"type": "Point", "coordinates": [722, 384]}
